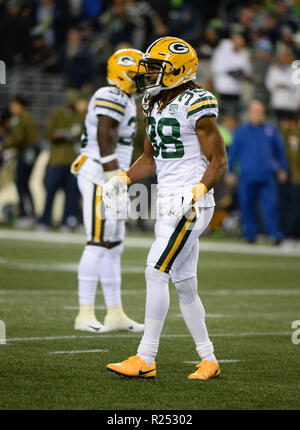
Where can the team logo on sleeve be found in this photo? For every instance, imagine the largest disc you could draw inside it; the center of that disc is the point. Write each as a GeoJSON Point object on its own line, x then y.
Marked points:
{"type": "Point", "coordinates": [173, 108]}
{"type": "Point", "coordinates": [178, 48]}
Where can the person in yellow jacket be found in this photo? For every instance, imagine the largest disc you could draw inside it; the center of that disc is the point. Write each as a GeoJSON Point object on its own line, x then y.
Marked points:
{"type": "Point", "coordinates": [62, 132]}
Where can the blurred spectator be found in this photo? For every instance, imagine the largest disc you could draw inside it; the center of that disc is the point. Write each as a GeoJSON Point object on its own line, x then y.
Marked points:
{"type": "Point", "coordinates": [147, 23]}
{"type": "Point", "coordinates": [285, 40]}
{"type": "Point", "coordinates": [63, 131]}
{"type": "Point", "coordinates": [258, 153]}
{"type": "Point", "coordinates": [296, 45]}
{"type": "Point", "coordinates": [82, 102]}
{"type": "Point", "coordinates": [284, 93]}
{"type": "Point", "coordinates": [270, 28]}
{"type": "Point", "coordinates": [40, 55]}
{"type": "Point", "coordinates": [291, 134]}
{"type": "Point", "coordinates": [245, 19]}
{"type": "Point", "coordinates": [230, 65]}
{"type": "Point", "coordinates": [261, 61]}
{"type": "Point", "coordinates": [210, 39]}
{"type": "Point", "coordinates": [91, 9]}
{"type": "Point", "coordinates": [77, 61]}
{"type": "Point", "coordinates": [51, 19]}
{"type": "Point", "coordinates": [22, 134]}
{"type": "Point", "coordinates": [85, 9]}
{"type": "Point", "coordinates": [116, 24]}
{"type": "Point", "coordinates": [227, 125]}
{"type": "Point", "coordinates": [225, 197]}
{"type": "Point", "coordinates": [285, 15]}
{"type": "Point", "coordinates": [5, 118]}
{"type": "Point", "coordinates": [260, 13]}
{"type": "Point", "coordinates": [184, 19]}
{"type": "Point", "coordinates": [14, 30]}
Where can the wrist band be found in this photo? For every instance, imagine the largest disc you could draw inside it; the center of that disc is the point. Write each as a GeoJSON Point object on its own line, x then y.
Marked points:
{"type": "Point", "coordinates": [199, 190]}
{"type": "Point", "coordinates": [111, 173]}
{"type": "Point", "coordinates": [125, 178]}
{"type": "Point", "coordinates": [108, 158]}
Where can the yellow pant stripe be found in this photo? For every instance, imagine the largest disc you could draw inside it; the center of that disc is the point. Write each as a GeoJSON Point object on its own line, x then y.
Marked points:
{"type": "Point", "coordinates": [98, 213]}
{"type": "Point", "coordinates": [178, 241]}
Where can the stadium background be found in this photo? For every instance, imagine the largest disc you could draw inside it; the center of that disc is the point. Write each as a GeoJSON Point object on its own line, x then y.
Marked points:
{"type": "Point", "coordinates": [250, 291]}
{"type": "Point", "coordinates": [51, 46]}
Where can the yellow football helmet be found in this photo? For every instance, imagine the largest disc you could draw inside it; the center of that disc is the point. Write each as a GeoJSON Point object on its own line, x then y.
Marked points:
{"type": "Point", "coordinates": [122, 68]}
{"type": "Point", "coordinates": [172, 60]}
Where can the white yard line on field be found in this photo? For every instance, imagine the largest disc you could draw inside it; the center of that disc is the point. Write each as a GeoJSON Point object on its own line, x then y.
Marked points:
{"type": "Point", "coordinates": [206, 315]}
{"type": "Point", "coordinates": [57, 266]}
{"type": "Point", "coordinates": [254, 292]}
{"type": "Point", "coordinates": [223, 265]}
{"type": "Point", "coordinates": [74, 308]}
{"type": "Point", "coordinates": [79, 352]}
{"type": "Point", "coordinates": [166, 336]}
{"type": "Point", "coordinates": [145, 242]}
{"type": "Point", "coordinates": [219, 361]}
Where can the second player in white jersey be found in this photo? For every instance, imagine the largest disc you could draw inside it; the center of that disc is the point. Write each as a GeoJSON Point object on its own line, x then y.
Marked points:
{"type": "Point", "coordinates": [117, 104]}
{"type": "Point", "coordinates": [106, 149]}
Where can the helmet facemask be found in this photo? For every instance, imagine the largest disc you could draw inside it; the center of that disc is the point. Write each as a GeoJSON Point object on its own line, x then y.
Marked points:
{"type": "Point", "coordinates": [145, 81]}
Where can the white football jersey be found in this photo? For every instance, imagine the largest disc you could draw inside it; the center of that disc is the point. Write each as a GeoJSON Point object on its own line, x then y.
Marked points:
{"type": "Point", "coordinates": [110, 101]}
{"type": "Point", "coordinates": [179, 158]}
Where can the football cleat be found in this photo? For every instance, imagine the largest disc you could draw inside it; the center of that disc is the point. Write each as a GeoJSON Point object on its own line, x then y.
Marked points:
{"type": "Point", "coordinates": [90, 326]}
{"type": "Point", "coordinates": [206, 370]}
{"type": "Point", "coordinates": [134, 366]}
{"type": "Point", "coordinates": [122, 322]}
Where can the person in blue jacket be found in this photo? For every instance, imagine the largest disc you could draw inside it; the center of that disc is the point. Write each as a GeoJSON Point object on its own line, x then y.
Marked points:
{"type": "Point", "coordinates": [257, 162]}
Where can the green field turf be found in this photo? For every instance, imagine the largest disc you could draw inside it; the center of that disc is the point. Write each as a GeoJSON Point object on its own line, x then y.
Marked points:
{"type": "Point", "coordinates": [250, 301]}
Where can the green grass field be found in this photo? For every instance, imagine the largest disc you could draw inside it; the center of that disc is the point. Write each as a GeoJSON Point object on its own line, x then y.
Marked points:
{"type": "Point", "coordinates": [251, 301]}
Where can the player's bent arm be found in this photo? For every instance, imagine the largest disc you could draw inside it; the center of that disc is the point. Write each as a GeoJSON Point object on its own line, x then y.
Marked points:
{"type": "Point", "coordinates": [143, 167]}
{"type": "Point", "coordinates": [107, 136]}
{"type": "Point", "coordinates": [213, 146]}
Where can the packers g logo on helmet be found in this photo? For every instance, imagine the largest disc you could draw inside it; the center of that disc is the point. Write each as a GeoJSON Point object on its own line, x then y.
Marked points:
{"type": "Point", "coordinates": [178, 48]}
{"type": "Point", "coordinates": [122, 68]}
{"type": "Point", "coordinates": [172, 60]}
{"type": "Point", "coordinates": [126, 60]}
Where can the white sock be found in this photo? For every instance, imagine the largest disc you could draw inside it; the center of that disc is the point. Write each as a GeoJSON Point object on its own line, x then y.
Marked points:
{"type": "Point", "coordinates": [110, 275]}
{"type": "Point", "coordinates": [88, 270]}
{"type": "Point", "coordinates": [157, 305]}
{"type": "Point", "coordinates": [193, 314]}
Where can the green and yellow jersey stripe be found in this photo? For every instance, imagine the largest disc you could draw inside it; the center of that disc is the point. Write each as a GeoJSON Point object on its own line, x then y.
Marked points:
{"type": "Point", "coordinates": [108, 104]}
{"type": "Point", "coordinates": [205, 104]}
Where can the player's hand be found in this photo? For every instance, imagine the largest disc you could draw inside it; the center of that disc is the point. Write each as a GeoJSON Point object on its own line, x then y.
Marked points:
{"type": "Point", "coordinates": [112, 190]}
{"type": "Point", "coordinates": [119, 207]}
{"type": "Point", "coordinates": [180, 205]}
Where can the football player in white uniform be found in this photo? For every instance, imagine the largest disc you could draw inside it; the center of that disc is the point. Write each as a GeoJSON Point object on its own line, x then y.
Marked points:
{"type": "Point", "coordinates": [106, 149]}
{"type": "Point", "coordinates": [184, 146]}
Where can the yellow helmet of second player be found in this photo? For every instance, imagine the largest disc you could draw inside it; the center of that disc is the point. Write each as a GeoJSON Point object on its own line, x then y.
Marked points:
{"type": "Point", "coordinates": [173, 60]}
{"type": "Point", "coordinates": [122, 68]}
